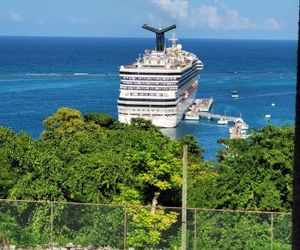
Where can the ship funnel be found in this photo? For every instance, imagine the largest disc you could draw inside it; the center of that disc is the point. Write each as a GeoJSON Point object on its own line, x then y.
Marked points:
{"type": "Point", "coordinates": [160, 35]}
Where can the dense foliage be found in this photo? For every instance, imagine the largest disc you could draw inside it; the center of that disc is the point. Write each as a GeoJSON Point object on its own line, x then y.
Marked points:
{"type": "Point", "coordinates": [79, 160]}
{"type": "Point", "coordinates": [93, 158]}
{"type": "Point", "coordinates": [250, 174]}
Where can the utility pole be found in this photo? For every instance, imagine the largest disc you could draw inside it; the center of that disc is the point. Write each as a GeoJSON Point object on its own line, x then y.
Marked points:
{"type": "Point", "coordinates": [296, 181]}
{"type": "Point", "coordinates": [184, 198]}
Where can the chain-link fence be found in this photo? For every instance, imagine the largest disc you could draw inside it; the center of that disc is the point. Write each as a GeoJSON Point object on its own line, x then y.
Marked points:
{"type": "Point", "coordinates": [55, 225]}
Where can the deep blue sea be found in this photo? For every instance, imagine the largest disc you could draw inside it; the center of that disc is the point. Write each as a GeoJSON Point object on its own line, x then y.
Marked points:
{"type": "Point", "coordinates": [38, 75]}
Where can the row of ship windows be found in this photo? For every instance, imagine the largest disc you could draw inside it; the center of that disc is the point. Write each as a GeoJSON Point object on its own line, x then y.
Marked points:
{"type": "Point", "coordinates": [187, 81]}
{"type": "Point", "coordinates": [163, 74]}
{"type": "Point", "coordinates": [150, 78]}
{"type": "Point", "coordinates": [149, 111]}
{"type": "Point", "coordinates": [148, 88]}
{"type": "Point", "coordinates": [148, 105]}
{"type": "Point", "coordinates": [151, 83]}
{"type": "Point", "coordinates": [188, 78]}
{"type": "Point", "coordinates": [157, 88]}
{"type": "Point", "coordinates": [147, 100]}
{"type": "Point", "coordinates": [138, 114]}
{"type": "Point", "coordinates": [194, 72]}
{"type": "Point", "coordinates": [160, 83]}
{"type": "Point", "coordinates": [146, 94]}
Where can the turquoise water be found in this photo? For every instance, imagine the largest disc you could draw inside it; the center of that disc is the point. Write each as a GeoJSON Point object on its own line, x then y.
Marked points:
{"type": "Point", "coordinates": [39, 75]}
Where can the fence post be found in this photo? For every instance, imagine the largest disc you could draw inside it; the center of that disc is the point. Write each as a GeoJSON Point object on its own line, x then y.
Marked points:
{"type": "Point", "coordinates": [184, 198]}
{"type": "Point", "coordinates": [195, 229]}
{"type": "Point", "coordinates": [51, 224]}
{"type": "Point", "coordinates": [125, 228]}
{"type": "Point", "coordinates": [272, 231]}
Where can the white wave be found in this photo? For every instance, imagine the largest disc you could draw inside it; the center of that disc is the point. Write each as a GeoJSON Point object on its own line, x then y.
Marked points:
{"type": "Point", "coordinates": [69, 74]}
{"type": "Point", "coordinates": [269, 94]}
{"type": "Point", "coordinates": [80, 74]}
{"type": "Point", "coordinates": [43, 74]}
{"type": "Point", "coordinates": [104, 74]}
{"type": "Point", "coordinates": [212, 124]}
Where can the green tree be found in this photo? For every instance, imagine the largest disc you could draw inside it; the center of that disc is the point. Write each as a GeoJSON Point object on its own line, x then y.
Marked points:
{"type": "Point", "coordinates": [233, 230]}
{"type": "Point", "coordinates": [94, 159]}
{"type": "Point", "coordinates": [145, 228]}
{"type": "Point", "coordinates": [87, 159]}
{"type": "Point", "coordinates": [8, 175]}
{"type": "Point", "coordinates": [256, 173]}
{"type": "Point", "coordinates": [103, 120]}
{"type": "Point", "coordinates": [202, 185]}
{"type": "Point", "coordinates": [252, 174]}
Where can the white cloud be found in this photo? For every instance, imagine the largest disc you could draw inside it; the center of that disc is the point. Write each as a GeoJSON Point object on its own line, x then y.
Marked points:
{"type": "Point", "coordinates": [220, 17]}
{"type": "Point", "coordinates": [206, 15]}
{"type": "Point", "coordinates": [15, 17]}
{"type": "Point", "coordinates": [176, 9]}
{"type": "Point", "coordinates": [233, 20]}
{"type": "Point", "coordinates": [215, 16]}
{"type": "Point", "coordinates": [271, 23]}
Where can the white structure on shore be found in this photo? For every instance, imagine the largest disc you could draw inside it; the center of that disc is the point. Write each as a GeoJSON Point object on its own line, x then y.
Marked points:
{"type": "Point", "coordinates": [239, 130]}
{"type": "Point", "coordinates": [160, 85]}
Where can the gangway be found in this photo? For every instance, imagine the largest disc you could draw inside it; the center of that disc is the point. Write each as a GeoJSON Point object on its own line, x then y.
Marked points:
{"type": "Point", "coordinates": [218, 116]}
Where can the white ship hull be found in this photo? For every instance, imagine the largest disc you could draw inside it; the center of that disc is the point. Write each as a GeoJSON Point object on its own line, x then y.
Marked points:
{"type": "Point", "coordinates": [164, 121]}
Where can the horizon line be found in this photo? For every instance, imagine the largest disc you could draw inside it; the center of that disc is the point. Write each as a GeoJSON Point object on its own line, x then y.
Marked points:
{"type": "Point", "coordinates": [132, 37]}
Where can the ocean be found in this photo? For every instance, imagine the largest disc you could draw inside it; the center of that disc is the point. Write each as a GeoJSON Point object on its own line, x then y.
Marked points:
{"type": "Point", "coordinates": [38, 75]}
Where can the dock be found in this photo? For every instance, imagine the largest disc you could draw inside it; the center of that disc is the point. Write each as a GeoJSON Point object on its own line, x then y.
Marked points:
{"type": "Point", "coordinates": [213, 116]}
{"type": "Point", "coordinates": [203, 105]}
{"type": "Point", "coordinates": [200, 109]}
{"type": "Point", "coordinates": [199, 105]}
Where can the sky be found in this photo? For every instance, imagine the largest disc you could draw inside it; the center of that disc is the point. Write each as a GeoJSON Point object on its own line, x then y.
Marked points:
{"type": "Point", "coordinates": [223, 19]}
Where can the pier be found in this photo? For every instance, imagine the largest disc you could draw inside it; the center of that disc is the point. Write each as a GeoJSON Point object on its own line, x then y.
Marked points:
{"type": "Point", "coordinates": [218, 116]}
{"type": "Point", "coordinates": [201, 108]}
{"type": "Point", "coordinates": [202, 105]}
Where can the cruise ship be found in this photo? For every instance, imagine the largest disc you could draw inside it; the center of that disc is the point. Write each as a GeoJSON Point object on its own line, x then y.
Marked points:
{"type": "Point", "coordinates": [161, 84]}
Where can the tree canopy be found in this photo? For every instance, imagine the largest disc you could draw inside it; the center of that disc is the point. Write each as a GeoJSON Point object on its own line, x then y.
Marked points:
{"type": "Point", "coordinates": [252, 174]}
{"type": "Point", "coordinates": [94, 158]}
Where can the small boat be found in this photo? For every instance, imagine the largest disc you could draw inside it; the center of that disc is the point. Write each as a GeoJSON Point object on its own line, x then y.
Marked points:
{"type": "Point", "coordinates": [222, 122]}
{"type": "Point", "coordinates": [268, 116]}
{"type": "Point", "coordinates": [234, 94]}
{"type": "Point", "coordinates": [244, 126]}
{"type": "Point", "coordinates": [273, 104]}
{"type": "Point", "coordinates": [191, 116]}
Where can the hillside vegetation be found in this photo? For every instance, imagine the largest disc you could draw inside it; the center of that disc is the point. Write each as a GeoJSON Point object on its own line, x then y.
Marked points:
{"type": "Point", "coordinates": [93, 158]}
